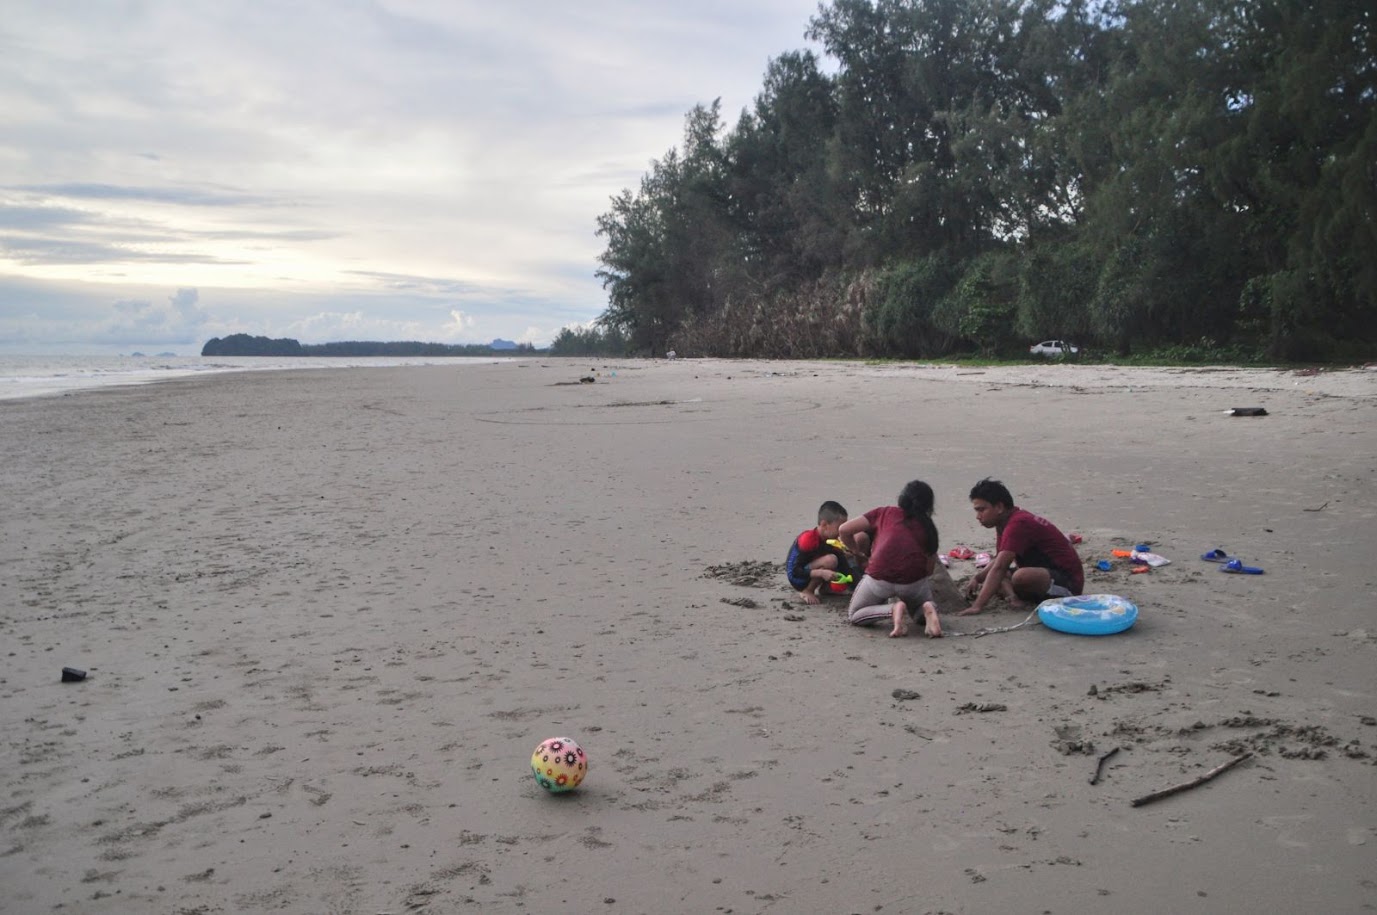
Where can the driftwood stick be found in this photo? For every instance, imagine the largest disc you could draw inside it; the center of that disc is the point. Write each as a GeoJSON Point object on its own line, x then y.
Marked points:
{"type": "Point", "coordinates": [1198, 780]}
{"type": "Point", "coordinates": [991, 630]}
{"type": "Point", "coordinates": [1099, 766]}
{"type": "Point", "coordinates": [1320, 509]}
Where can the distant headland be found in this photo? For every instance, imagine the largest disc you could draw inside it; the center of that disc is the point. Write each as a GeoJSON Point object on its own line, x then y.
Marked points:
{"type": "Point", "coordinates": [245, 345]}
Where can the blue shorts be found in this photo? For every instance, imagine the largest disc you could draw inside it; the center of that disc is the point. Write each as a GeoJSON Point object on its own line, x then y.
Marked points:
{"type": "Point", "coordinates": [797, 571]}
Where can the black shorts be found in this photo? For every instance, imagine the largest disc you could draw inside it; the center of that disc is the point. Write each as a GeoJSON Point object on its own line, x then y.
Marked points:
{"type": "Point", "coordinates": [1059, 577]}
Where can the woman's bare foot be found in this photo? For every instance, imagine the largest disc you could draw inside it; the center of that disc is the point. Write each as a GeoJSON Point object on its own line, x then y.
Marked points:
{"type": "Point", "coordinates": [932, 625]}
{"type": "Point", "coordinates": [899, 613]}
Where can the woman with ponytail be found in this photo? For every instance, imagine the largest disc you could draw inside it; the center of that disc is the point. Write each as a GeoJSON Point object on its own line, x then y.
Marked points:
{"type": "Point", "coordinates": [903, 552]}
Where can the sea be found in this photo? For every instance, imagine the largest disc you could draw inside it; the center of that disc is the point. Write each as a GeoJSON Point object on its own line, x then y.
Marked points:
{"type": "Point", "coordinates": [40, 376]}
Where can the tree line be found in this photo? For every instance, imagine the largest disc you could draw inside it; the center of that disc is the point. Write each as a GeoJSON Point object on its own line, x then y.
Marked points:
{"type": "Point", "coordinates": [247, 345]}
{"type": "Point", "coordinates": [1193, 178]}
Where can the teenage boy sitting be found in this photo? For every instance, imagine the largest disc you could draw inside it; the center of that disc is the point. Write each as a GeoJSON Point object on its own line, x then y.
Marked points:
{"type": "Point", "coordinates": [1033, 560]}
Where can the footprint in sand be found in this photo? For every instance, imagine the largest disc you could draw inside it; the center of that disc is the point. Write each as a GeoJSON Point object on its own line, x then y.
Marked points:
{"type": "Point", "coordinates": [1284, 838]}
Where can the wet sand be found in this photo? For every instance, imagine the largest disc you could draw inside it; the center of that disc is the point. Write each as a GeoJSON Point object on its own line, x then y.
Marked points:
{"type": "Point", "coordinates": [327, 615]}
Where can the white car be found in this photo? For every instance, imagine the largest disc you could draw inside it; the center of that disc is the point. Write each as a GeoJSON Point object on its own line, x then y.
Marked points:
{"type": "Point", "coordinates": [1052, 348]}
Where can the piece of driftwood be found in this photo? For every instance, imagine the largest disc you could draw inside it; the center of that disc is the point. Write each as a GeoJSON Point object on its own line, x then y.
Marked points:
{"type": "Point", "coordinates": [1198, 780]}
{"type": "Point", "coordinates": [1099, 765]}
{"type": "Point", "coordinates": [991, 630]}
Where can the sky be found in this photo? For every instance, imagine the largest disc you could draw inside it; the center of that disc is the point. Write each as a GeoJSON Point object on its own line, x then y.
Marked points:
{"type": "Point", "coordinates": [176, 170]}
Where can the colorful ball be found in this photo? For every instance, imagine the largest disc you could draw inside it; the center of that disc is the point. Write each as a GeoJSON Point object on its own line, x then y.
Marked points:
{"type": "Point", "coordinates": [559, 764]}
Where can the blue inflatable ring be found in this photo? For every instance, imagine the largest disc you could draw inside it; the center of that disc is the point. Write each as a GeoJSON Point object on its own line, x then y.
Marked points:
{"type": "Point", "coordinates": [1089, 614]}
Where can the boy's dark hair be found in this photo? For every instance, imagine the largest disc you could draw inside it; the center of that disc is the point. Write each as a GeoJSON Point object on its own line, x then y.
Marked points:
{"type": "Point", "coordinates": [916, 501]}
{"type": "Point", "coordinates": [831, 511]}
{"type": "Point", "coordinates": [992, 491]}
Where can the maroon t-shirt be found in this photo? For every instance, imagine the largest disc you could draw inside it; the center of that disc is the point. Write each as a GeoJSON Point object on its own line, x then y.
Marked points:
{"type": "Point", "coordinates": [1035, 541]}
{"type": "Point", "coordinates": [899, 551]}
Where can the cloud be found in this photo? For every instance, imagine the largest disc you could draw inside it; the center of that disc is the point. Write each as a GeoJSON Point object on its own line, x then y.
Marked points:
{"type": "Point", "coordinates": [400, 282]}
{"type": "Point", "coordinates": [39, 316]}
{"type": "Point", "coordinates": [536, 336]}
{"type": "Point", "coordinates": [35, 218]}
{"type": "Point", "coordinates": [327, 326]}
{"type": "Point", "coordinates": [200, 197]}
{"type": "Point", "coordinates": [460, 321]}
{"type": "Point", "coordinates": [177, 320]}
{"type": "Point", "coordinates": [49, 234]}
{"type": "Point", "coordinates": [316, 168]}
{"type": "Point", "coordinates": [33, 251]}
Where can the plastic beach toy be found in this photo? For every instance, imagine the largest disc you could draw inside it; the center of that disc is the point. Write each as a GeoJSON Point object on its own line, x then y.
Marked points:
{"type": "Point", "coordinates": [1089, 614]}
{"type": "Point", "coordinates": [559, 764]}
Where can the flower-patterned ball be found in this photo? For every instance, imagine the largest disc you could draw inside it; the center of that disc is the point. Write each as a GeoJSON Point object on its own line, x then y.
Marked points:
{"type": "Point", "coordinates": [559, 764]}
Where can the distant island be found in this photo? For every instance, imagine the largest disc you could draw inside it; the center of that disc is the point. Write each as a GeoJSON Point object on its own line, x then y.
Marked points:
{"type": "Point", "coordinates": [245, 345]}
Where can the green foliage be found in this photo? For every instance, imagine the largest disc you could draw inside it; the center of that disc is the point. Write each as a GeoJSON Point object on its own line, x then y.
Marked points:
{"type": "Point", "coordinates": [981, 307]}
{"type": "Point", "coordinates": [788, 222]}
{"type": "Point", "coordinates": [1056, 283]}
{"type": "Point", "coordinates": [589, 341]}
{"type": "Point", "coordinates": [1144, 176]}
{"type": "Point", "coordinates": [900, 320]}
{"type": "Point", "coordinates": [1204, 351]}
{"type": "Point", "coordinates": [245, 345]}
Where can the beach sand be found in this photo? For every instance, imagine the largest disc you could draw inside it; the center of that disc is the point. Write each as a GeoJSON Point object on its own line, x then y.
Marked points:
{"type": "Point", "coordinates": [327, 616]}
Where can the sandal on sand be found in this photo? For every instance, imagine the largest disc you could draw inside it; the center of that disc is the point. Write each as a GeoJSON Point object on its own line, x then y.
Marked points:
{"type": "Point", "coordinates": [1238, 568]}
{"type": "Point", "coordinates": [1216, 556]}
{"type": "Point", "coordinates": [982, 560]}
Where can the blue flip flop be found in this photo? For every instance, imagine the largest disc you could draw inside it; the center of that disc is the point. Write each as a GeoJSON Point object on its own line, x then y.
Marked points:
{"type": "Point", "coordinates": [1216, 556]}
{"type": "Point", "coordinates": [1236, 566]}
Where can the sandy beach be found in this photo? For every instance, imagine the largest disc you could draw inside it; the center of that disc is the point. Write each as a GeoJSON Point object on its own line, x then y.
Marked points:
{"type": "Point", "coordinates": [327, 615]}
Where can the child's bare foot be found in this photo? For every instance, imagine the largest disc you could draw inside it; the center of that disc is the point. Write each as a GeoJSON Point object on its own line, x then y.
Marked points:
{"type": "Point", "coordinates": [932, 626]}
{"type": "Point", "coordinates": [899, 613]}
{"type": "Point", "coordinates": [809, 597]}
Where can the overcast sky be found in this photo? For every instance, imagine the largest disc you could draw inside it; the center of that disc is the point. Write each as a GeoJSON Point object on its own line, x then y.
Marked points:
{"type": "Point", "coordinates": [175, 170]}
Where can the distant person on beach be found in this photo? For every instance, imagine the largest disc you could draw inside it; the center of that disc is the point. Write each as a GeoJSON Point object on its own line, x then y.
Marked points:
{"type": "Point", "coordinates": [813, 562]}
{"type": "Point", "coordinates": [899, 559]}
{"type": "Point", "coordinates": [1033, 560]}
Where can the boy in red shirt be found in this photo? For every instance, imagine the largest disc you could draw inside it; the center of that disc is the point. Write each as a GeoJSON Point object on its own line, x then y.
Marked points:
{"type": "Point", "coordinates": [812, 561]}
{"type": "Point", "coordinates": [1033, 560]}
